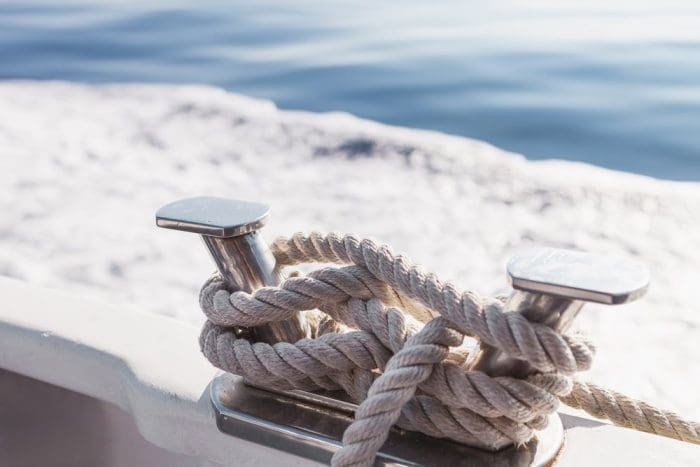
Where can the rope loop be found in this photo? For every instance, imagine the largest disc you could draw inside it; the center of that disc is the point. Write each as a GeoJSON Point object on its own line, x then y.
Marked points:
{"type": "Point", "coordinates": [391, 336]}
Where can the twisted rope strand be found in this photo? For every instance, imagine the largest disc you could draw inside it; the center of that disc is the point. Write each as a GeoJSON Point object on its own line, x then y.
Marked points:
{"type": "Point", "coordinates": [625, 411]}
{"type": "Point", "coordinates": [396, 386]}
{"type": "Point", "coordinates": [512, 333]}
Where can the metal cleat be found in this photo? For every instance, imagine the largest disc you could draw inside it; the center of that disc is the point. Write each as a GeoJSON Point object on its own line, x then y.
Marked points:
{"type": "Point", "coordinates": [550, 288]}
{"type": "Point", "coordinates": [229, 229]}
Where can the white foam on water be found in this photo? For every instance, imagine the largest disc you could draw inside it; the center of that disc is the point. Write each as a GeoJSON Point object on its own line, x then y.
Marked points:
{"type": "Point", "coordinates": [84, 168]}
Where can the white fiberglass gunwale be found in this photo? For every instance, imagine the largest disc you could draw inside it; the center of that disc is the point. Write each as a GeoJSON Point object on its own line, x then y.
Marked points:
{"type": "Point", "coordinates": [146, 364]}
{"type": "Point", "coordinates": [150, 366]}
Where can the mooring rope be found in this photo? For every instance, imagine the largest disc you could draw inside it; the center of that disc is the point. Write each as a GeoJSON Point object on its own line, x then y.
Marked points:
{"type": "Point", "coordinates": [389, 335]}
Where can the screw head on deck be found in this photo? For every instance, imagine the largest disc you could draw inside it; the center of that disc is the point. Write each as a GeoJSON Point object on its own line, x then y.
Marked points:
{"type": "Point", "coordinates": [216, 217]}
{"type": "Point", "coordinates": [578, 276]}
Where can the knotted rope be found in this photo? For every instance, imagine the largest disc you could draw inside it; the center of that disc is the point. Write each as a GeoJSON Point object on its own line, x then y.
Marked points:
{"type": "Point", "coordinates": [390, 336]}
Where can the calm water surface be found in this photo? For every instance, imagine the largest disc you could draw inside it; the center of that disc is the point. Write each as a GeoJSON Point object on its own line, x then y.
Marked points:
{"type": "Point", "coordinates": [615, 84]}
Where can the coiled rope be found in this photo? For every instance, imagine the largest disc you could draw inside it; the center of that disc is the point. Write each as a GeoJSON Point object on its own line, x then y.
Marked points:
{"type": "Point", "coordinates": [390, 336]}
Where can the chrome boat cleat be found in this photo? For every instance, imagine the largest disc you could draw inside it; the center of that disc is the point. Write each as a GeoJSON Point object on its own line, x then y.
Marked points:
{"type": "Point", "coordinates": [550, 286]}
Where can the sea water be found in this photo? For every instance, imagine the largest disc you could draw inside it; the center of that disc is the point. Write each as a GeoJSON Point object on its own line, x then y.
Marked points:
{"type": "Point", "coordinates": [615, 84]}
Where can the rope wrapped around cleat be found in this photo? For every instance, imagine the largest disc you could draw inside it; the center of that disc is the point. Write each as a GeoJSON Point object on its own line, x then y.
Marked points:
{"type": "Point", "coordinates": [391, 337]}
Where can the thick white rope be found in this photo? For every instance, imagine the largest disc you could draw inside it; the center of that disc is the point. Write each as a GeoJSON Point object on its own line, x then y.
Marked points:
{"type": "Point", "coordinates": [389, 335]}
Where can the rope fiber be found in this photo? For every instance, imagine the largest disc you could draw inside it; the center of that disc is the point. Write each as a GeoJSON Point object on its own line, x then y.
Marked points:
{"type": "Point", "coordinates": [391, 337]}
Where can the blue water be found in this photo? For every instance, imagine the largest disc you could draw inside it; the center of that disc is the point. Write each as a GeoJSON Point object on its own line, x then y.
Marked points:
{"type": "Point", "coordinates": [612, 83]}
